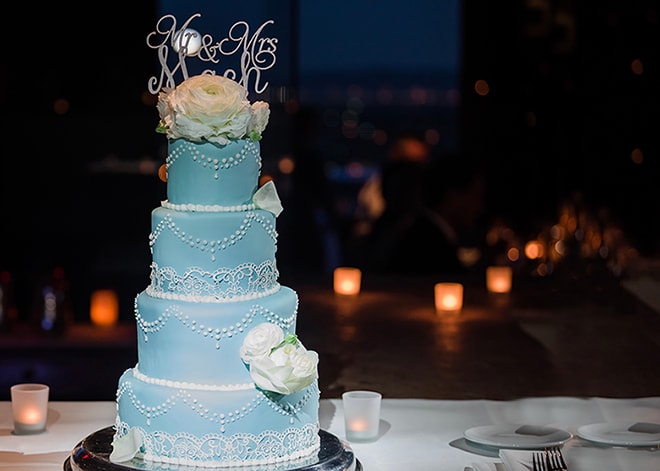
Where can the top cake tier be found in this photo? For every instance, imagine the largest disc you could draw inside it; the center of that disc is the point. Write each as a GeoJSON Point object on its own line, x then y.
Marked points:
{"type": "Point", "coordinates": [209, 174]}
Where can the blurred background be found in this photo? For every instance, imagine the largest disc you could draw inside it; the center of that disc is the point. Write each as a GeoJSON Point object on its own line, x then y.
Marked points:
{"type": "Point", "coordinates": [555, 102]}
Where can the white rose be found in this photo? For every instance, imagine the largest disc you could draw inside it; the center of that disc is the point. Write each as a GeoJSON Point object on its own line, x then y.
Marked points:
{"type": "Point", "coordinates": [205, 108]}
{"type": "Point", "coordinates": [282, 355]}
{"type": "Point", "coordinates": [260, 341]}
{"type": "Point", "coordinates": [304, 363]}
{"type": "Point", "coordinates": [278, 362]}
{"type": "Point", "coordinates": [288, 369]}
{"type": "Point", "coordinates": [269, 376]}
{"type": "Point", "coordinates": [259, 117]}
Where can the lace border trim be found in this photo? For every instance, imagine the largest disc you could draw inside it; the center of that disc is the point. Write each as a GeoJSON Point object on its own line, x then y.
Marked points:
{"type": "Point", "coordinates": [268, 449]}
{"type": "Point", "coordinates": [245, 282]}
{"type": "Point", "coordinates": [153, 292]}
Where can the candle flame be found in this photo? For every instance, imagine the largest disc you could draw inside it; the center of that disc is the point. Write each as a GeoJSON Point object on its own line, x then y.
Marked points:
{"type": "Point", "coordinates": [358, 425]}
{"type": "Point", "coordinates": [347, 285]}
{"type": "Point", "coordinates": [31, 416]}
{"type": "Point", "coordinates": [449, 301]}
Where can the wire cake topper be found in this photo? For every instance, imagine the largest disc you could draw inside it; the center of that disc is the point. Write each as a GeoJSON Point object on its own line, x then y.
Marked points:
{"type": "Point", "coordinates": [257, 51]}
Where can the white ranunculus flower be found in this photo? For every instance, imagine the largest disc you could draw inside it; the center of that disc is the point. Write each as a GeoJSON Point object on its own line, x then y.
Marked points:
{"type": "Point", "coordinates": [260, 341]}
{"type": "Point", "coordinates": [210, 108]}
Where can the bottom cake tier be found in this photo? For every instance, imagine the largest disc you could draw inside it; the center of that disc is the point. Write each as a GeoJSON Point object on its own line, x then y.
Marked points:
{"type": "Point", "coordinates": [215, 428]}
{"type": "Point", "coordinates": [92, 454]}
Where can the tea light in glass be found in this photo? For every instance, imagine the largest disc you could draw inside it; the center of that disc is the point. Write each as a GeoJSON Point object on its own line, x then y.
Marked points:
{"type": "Point", "coordinates": [361, 414]}
{"type": "Point", "coordinates": [104, 307]}
{"type": "Point", "coordinates": [29, 403]}
{"type": "Point", "coordinates": [448, 297]}
{"type": "Point", "coordinates": [347, 280]}
{"type": "Point", "coordinates": [498, 279]}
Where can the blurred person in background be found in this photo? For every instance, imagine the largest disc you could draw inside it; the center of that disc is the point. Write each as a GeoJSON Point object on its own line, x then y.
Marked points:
{"type": "Point", "coordinates": [389, 201]}
{"type": "Point", "coordinates": [452, 196]}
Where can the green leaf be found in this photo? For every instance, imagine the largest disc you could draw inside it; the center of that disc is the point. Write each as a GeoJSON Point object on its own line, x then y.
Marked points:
{"type": "Point", "coordinates": [288, 339]}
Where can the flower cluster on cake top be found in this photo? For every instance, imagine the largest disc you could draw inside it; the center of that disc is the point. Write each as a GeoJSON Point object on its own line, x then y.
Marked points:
{"type": "Point", "coordinates": [210, 108]}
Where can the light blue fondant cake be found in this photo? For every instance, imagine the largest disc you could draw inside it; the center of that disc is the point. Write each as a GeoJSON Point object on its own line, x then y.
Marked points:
{"type": "Point", "coordinates": [221, 378]}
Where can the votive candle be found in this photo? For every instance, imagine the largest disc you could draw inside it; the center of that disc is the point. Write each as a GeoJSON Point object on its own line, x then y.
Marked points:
{"type": "Point", "coordinates": [104, 307]}
{"type": "Point", "coordinates": [498, 279]}
{"type": "Point", "coordinates": [29, 404]}
{"type": "Point", "coordinates": [347, 280]}
{"type": "Point", "coordinates": [448, 297]}
{"type": "Point", "coordinates": [361, 415]}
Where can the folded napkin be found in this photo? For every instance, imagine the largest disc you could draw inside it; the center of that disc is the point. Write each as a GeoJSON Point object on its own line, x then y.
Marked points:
{"type": "Point", "coordinates": [517, 460]}
{"type": "Point", "coordinates": [644, 427]}
{"type": "Point", "coordinates": [484, 466]}
{"type": "Point", "coordinates": [512, 460]}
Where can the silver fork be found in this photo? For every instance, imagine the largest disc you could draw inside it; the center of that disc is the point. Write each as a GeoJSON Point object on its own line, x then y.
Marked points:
{"type": "Point", "coordinates": [549, 460]}
{"type": "Point", "coordinates": [557, 459]}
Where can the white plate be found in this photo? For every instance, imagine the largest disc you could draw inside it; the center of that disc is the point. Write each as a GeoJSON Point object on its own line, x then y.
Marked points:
{"type": "Point", "coordinates": [622, 433]}
{"type": "Point", "coordinates": [517, 436]}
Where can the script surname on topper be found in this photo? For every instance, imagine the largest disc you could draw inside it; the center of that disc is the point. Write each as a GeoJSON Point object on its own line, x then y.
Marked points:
{"type": "Point", "coordinates": [257, 52]}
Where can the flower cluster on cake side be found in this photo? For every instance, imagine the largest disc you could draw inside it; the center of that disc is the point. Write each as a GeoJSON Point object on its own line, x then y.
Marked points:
{"type": "Point", "coordinates": [277, 362]}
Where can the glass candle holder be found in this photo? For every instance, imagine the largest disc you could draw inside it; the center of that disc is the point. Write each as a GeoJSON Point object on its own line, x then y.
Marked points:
{"type": "Point", "coordinates": [361, 414]}
{"type": "Point", "coordinates": [498, 279]}
{"type": "Point", "coordinates": [347, 280]}
{"type": "Point", "coordinates": [104, 307]}
{"type": "Point", "coordinates": [448, 297]}
{"type": "Point", "coordinates": [29, 405]}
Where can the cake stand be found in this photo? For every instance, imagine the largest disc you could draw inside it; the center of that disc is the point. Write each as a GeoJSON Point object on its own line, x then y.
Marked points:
{"type": "Point", "coordinates": [93, 454]}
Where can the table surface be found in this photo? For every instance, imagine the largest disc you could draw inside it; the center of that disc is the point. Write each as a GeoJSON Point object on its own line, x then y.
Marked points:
{"type": "Point", "coordinates": [415, 434]}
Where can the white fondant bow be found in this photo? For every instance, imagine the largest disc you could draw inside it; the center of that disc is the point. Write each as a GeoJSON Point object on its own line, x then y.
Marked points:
{"type": "Point", "coordinates": [126, 447]}
{"type": "Point", "coordinates": [267, 198]}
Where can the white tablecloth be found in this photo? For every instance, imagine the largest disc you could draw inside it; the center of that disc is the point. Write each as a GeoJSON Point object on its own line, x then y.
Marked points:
{"type": "Point", "coordinates": [415, 434]}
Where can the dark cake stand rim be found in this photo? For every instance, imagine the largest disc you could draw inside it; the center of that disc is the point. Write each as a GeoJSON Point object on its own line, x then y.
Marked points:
{"type": "Point", "coordinates": [93, 454]}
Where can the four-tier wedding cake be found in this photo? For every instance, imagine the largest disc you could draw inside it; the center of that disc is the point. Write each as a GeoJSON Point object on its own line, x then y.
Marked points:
{"type": "Point", "coordinates": [221, 379]}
